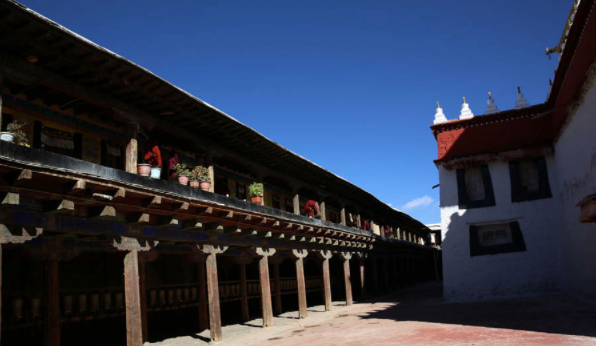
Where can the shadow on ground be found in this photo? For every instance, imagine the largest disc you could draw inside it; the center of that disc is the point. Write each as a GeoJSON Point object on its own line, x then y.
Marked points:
{"type": "Point", "coordinates": [556, 314]}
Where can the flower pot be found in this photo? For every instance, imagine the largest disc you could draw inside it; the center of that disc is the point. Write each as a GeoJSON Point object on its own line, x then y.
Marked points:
{"type": "Point", "coordinates": [194, 184]}
{"type": "Point", "coordinates": [183, 179]}
{"type": "Point", "coordinates": [6, 136]}
{"type": "Point", "coordinates": [205, 185]}
{"type": "Point", "coordinates": [156, 172]}
{"type": "Point", "coordinates": [144, 169]}
{"type": "Point", "coordinates": [257, 199]}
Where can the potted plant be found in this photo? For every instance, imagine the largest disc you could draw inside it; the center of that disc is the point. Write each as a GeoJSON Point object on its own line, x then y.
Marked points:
{"type": "Point", "coordinates": [194, 177]}
{"type": "Point", "coordinates": [255, 192]}
{"type": "Point", "coordinates": [182, 173]}
{"type": "Point", "coordinates": [14, 133]}
{"type": "Point", "coordinates": [201, 175]}
{"type": "Point", "coordinates": [144, 169]}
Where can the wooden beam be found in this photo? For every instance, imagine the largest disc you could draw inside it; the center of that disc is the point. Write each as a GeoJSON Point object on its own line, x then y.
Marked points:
{"type": "Point", "coordinates": [153, 202]}
{"type": "Point", "coordinates": [134, 328]}
{"type": "Point", "coordinates": [75, 188]}
{"type": "Point", "coordinates": [60, 206]}
{"type": "Point", "coordinates": [103, 213]}
{"type": "Point", "coordinates": [24, 177]}
{"type": "Point", "coordinates": [9, 198]}
{"type": "Point", "coordinates": [137, 218]}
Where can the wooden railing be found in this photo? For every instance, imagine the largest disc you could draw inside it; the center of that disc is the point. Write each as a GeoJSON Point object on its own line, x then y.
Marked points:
{"type": "Point", "coordinates": [89, 304]}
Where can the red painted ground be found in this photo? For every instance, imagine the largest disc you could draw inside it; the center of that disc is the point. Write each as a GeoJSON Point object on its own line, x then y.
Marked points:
{"type": "Point", "coordinates": [417, 316]}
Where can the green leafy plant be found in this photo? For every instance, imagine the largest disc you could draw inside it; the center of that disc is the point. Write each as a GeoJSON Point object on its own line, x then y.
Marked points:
{"type": "Point", "coordinates": [255, 189]}
{"type": "Point", "coordinates": [15, 128]}
{"type": "Point", "coordinates": [181, 170]}
{"type": "Point", "coordinates": [200, 173]}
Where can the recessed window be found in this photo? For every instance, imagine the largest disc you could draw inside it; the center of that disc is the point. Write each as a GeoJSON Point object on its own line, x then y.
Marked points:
{"type": "Point", "coordinates": [529, 180]}
{"type": "Point", "coordinates": [475, 188]}
{"type": "Point", "coordinates": [496, 239]}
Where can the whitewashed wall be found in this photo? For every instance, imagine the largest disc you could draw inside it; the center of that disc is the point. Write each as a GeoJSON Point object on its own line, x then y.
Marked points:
{"type": "Point", "coordinates": [575, 154]}
{"type": "Point", "coordinates": [539, 269]}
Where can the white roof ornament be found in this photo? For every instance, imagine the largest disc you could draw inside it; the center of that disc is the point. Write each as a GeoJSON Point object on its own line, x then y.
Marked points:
{"type": "Point", "coordinates": [521, 101]}
{"type": "Point", "coordinates": [466, 112]}
{"type": "Point", "coordinates": [439, 116]}
{"type": "Point", "coordinates": [491, 106]}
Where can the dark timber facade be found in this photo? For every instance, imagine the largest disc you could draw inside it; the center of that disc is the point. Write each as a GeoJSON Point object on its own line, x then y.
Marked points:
{"type": "Point", "coordinates": [89, 249]}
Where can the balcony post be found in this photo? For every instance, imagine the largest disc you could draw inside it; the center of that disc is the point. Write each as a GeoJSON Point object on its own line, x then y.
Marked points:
{"type": "Point", "coordinates": [132, 149]}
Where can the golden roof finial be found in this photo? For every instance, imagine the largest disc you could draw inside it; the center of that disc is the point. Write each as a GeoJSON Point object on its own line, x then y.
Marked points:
{"type": "Point", "coordinates": [464, 99]}
{"type": "Point", "coordinates": [438, 105]}
{"type": "Point", "coordinates": [489, 95]}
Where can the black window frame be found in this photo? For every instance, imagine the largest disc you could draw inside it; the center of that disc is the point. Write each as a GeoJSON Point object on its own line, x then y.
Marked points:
{"type": "Point", "coordinates": [462, 193]}
{"type": "Point", "coordinates": [517, 195]}
{"type": "Point", "coordinates": [517, 244]}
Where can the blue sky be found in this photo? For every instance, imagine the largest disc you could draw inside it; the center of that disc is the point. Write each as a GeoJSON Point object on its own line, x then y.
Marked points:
{"type": "Point", "coordinates": [350, 85]}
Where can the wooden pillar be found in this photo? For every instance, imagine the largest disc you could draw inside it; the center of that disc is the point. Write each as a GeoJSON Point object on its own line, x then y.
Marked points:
{"type": "Point", "coordinates": [362, 277]}
{"type": "Point", "coordinates": [395, 274]}
{"type": "Point", "coordinates": [358, 221]}
{"type": "Point", "coordinates": [386, 273]}
{"type": "Point", "coordinates": [296, 204]}
{"type": "Point", "coordinates": [375, 276]}
{"type": "Point", "coordinates": [143, 296]}
{"type": "Point", "coordinates": [1, 85]}
{"type": "Point", "coordinates": [244, 293]}
{"type": "Point", "coordinates": [323, 211]}
{"type": "Point", "coordinates": [134, 329]}
{"type": "Point", "coordinates": [0, 242]}
{"type": "Point", "coordinates": [277, 306]}
{"type": "Point", "coordinates": [299, 254]}
{"type": "Point", "coordinates": [132, 150]}
{"type": "Point", "coordinates": [342, 215]}
{"type": "Point", "coordinates": [346, 256]}
{"type": "Point", "coordinates": [326, 255]}
{"type": "Point", "coordinates": [203, 303]}
{"type": "Point", "coordinates": [52, 315]}
{"type": "Point", "coordinates": [211, 252]}
{"type": "Point", "coordinates": [210, 169]}
{"type": "Point", "coordinates": [265, 288]}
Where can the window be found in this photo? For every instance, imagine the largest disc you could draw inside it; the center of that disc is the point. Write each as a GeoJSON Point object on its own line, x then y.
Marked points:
{"type": "Point", "coordinates": [496, 239]}
{"type": "Point", "coordinates": [475, 188]}
{"type": "Point", "coordinates": [529, 180]}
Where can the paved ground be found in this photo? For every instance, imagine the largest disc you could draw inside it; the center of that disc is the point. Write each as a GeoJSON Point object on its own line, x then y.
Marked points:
{"type": "Point", "coordinates": [417, 316]}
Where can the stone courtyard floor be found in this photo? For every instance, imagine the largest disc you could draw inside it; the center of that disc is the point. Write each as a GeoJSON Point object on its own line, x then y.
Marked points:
{"type": "Point", "coordinates": [418, 316]}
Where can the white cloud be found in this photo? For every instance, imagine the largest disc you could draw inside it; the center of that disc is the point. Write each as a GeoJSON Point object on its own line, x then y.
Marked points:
{"type": "Point", "coordinates": [419, 202]}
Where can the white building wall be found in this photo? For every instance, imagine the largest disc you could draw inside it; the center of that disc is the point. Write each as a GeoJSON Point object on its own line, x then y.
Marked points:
{"type": "Point", "coordinates": [575, 154]}
{"type": "Point", "coordinates": [537, 270]}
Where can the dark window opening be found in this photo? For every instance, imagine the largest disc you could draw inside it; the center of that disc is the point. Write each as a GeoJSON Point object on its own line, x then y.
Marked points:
{"type": "Point", "coordinates": [496, 239]}
{"type": "Point", "coordinates": [529, 180]}
{"type": "Point", "coordinates": [475, 188]}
